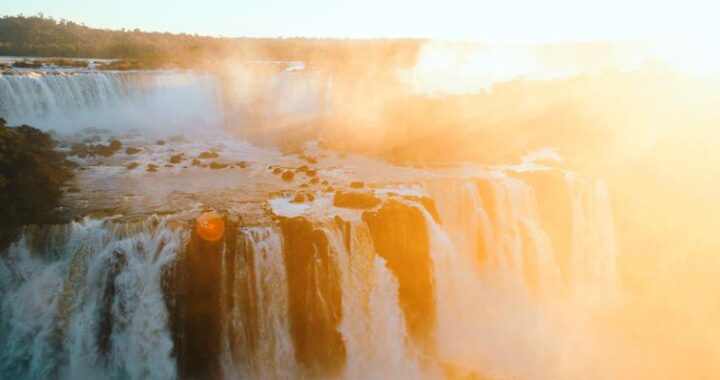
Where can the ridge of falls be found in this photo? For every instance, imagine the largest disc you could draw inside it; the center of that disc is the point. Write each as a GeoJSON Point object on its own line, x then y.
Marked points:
{"type": "Point", "coordinates": [151, 101]}
{"type": "Point", "coordinates": [477, 279]}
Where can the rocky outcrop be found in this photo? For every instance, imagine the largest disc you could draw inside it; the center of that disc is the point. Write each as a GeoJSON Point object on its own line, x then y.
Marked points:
{"type": "Point", "coordinates": [355, 199]}
{"type": "Point", "coordinates": [400, 236]}
{"type": "Point", "coordinates": [194, 293]}
{"type": "Point", "coordinates": [315, 298]}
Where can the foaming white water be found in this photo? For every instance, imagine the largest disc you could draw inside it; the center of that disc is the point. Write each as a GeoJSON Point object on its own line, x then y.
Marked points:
{"type": "Point", "coordinates": [594, 250]}
{"type": "Point", "coordinates": [90, 304]}
{"type": "Point", "coordinates": [501, 309]}
{"type": "Point", "coordinates": [260, 270]}
{"type": "Point", "coordinates": [372, 326]}
{"type": "Point", "coordinates": [154, 102]}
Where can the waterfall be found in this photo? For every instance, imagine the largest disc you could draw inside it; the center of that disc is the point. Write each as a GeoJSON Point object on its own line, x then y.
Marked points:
{"type": "Point", "coordinates": [156, 102]}
{"type": "Point", "coordinates": [471, 285]}
{"type": "Point", "coordinates": [594, 250]}
{"type": "Point", "coordinates": [372, 326]}
{"type": "Point", "coordinates": [259, 277]}
{"type": "Point", "coordinates": [89, 304]}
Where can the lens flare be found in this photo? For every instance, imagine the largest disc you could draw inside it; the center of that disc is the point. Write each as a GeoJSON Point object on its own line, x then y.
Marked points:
{"type": "Point", "coordinates": [210, 226]}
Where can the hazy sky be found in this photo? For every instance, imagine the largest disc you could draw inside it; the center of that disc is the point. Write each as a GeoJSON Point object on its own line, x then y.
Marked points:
{"type": "Point", "coordinates": [482, 20]}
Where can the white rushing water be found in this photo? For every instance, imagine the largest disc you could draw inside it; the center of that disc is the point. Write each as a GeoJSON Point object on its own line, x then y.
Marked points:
{"type": "Point", "coordinates": [259, 267]}
{"type": "Point", "coordinates": [88, 303]}
{"type": "Point", "coordinates": [373, 327]}
{"type": "Point", "coordinates": [154, 102]}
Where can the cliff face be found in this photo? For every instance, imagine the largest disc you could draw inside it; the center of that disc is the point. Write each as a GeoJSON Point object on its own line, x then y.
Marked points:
{"type": "Point", "coordinates": [194, 294]}
{"type": "Point", "coordinates": [315, 297]}
{"type": "Point", "coordinates": [400, 235]}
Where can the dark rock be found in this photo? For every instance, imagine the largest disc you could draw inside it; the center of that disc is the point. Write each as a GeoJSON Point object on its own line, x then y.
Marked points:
{"type": "Point", "coordinates": [115, 144]}
{"type": "Point", "coordinates": [288, 175]}
{"type": "Point", "coordinates": [176, 159]}
{"type": "Point", "coordinates": [400, 236]}
{"type": "Point", "coordinates": [217, 165]}
{"type": "Point", "coordinates": [208, 154]}
{"type": "Point", "coordinates": [132, 165]}
{"type": "Point", "coordinates": [355, 199]}
{"type": "Point", "coordinates": [72, 190]}
{"type": "Point", "coordinates": [131, 150]}
{"type": "Point", "coordinates": [299, 198]}
{"type": "Point", "coordinates": [314, 298]}
{"type": "Point", "coordinates": [241, 164]}
{"type": "Point", "coordinates": [79, 149]}
{"type": "Point", "coordinates": [196, 162]}
{"type": "Point", "coordinates": [277, 171]}
{"type": "Point", "coordinates": [428, 204]}
{"type": "Point", "coordinates": [32, 174]}
{"type": "Point", "coordinates": [152, 168]}
{"type": "Point", "coordinates": [160, 142]}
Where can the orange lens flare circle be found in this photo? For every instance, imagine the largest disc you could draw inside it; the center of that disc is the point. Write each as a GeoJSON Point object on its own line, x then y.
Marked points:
{"type": "Point", "coordinates": [210, 226]}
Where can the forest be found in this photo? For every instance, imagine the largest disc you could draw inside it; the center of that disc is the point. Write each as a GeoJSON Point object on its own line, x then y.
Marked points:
{"type": "Point", "coordinates": [36, 36]}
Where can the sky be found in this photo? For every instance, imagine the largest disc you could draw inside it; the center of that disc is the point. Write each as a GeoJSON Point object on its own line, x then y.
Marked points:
{"type": "Point", "coordinates": [482, 20]}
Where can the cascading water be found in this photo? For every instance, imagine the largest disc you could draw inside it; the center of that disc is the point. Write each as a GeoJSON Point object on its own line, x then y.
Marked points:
{"type": "Point", "coordinates": [154, 102]}
{"type": "Point", "coordinates": [259, 288]}
{"type": "Point", "coordinates": [88, 303]}
{"type": "Point", "coordinates": [372, 327]}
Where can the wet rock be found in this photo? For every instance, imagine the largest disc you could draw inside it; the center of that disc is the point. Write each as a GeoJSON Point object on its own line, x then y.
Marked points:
{"type": "Point", "coordinates": [79, 149]}
{"type": "Point", "coordinates": [152, 168]}
{"type": "Point", "coordinates": [400, 235]}
{"type": "Point", "coordinates": [132, 165]}
{"type": "Point", "coordinates": [102, 150]}
{"type": "Point", "coordinates": [193, 287]}
{"type": "Point", "coordinates": [355, 199]}
{"type": "Point", "coordinates": [277, 171]}
{"type": "Point", "coordinates": [217, 165]}
{"type": "Point", "coordinates": [428, 203]}
{"type": "Point", "coordinates": [132, 150]}
{"type": "Point", "coordinates": [288, 175]}
{"type": "Point", "coordinates": [115, 144]}
{"type": "Point", "coordinates": [314, 298]}
{"type": "Point", "coordinates": [357, 185]}
{"type": "Point", "coordinates": [241, 164]}
{"type": "Point", "coordinates": [299, 198]}
{"type": "Point", "coordinates": [176, 159]}
{"type": "Point", "coordinates": [208, 154]}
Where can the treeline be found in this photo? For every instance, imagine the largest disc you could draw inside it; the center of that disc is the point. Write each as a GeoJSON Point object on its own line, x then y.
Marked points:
{"type": "Point", "coordinates": [39, 36]}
